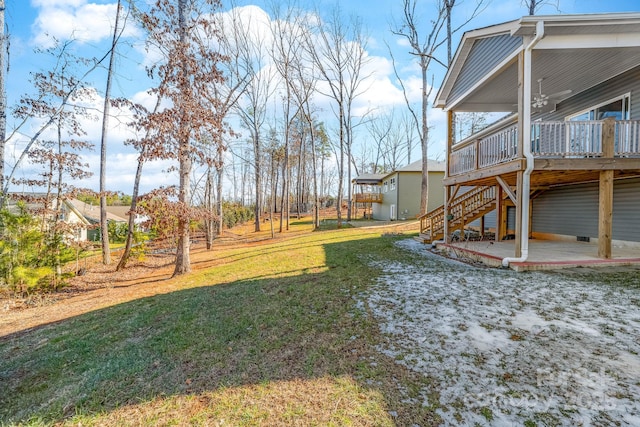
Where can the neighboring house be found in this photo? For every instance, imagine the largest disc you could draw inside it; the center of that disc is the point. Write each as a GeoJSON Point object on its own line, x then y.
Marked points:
{"type": "Point", "coordinates": [117, 214]}
{"type": "Point", "coordinates": [396, 195]}
{"type": "Point", "coordinates": [69, 213]}
{"type": "Point", "coordinates": [565, 163]}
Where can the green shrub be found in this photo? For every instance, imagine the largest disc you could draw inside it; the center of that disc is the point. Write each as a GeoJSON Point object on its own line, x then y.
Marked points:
{"type": "Point", "coordinates": [31, 259]}
{"type": "Point", "coordinates": [235, 214]}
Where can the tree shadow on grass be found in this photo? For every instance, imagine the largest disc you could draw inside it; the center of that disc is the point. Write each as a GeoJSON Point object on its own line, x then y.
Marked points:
{"type": "Point", "coordinates": [193, 342]}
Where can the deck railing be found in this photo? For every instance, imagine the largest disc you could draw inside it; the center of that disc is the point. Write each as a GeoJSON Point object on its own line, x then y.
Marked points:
{"type": "Point", "coordinates": [567, 139]}
{"type": "Point", "coordinates": [499, 147]}
{"type": "Point", "coordinates": [463, 160]}
{"type": "Point", "coordinates": [627, 138]}
{"type": "Point", "coordinates": [549, 139]}
{"type": "Point", "coordinates": [368, 197]}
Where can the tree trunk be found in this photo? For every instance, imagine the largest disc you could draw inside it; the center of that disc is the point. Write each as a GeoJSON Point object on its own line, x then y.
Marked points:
{"type": "Point", "coordinates": [132, 217]}
{"type": "Point", "coordinates": [183, 261]}
{"type": "Point", "coordinates": [424, 140]}
{"type": "Point", "coordinates": [314, 166]}
{"type": "Point", "coordinates": [104, 229]}
{"type": "Point", "coordinates": [208, 202]}
{"type": "Point", "coordinates": [258, 171]}
{"type": "Point", "coordinates": [220, 171]}
{"type": "Point", "coordinates": [3, 101]}
{"type": "Point", "coordinates": [340, 173]}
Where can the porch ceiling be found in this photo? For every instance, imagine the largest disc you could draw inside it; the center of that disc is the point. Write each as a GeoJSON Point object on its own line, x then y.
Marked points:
{"type": "Point", "coordinates": [576, 69]}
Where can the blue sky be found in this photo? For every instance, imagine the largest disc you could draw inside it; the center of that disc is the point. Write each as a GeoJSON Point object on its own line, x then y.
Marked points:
{"type": "Point", "coordinates": [28, 21]}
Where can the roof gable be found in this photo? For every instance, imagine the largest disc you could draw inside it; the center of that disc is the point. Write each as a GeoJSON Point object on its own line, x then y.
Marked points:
{"type": "Point", "coordinates": [485, 54]}
{"type": "Point", "coordinates": [483, 75]}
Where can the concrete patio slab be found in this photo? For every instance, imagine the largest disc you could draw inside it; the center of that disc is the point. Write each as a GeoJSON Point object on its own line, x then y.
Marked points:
{"type": "Point", "coordinates": [543, 254]}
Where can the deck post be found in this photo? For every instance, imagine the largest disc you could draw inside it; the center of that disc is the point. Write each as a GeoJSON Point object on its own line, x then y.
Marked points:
{"type": "Point", "coordinates": [605, 211]}
{"type": "Point", "coordinates": [447, 189]}
{"type": "Point", "coordinates": [499, 213]}
{"type": "Point", "coordinates": [519, 198]}
{"type": "Point", "coordinates": [522, 81]}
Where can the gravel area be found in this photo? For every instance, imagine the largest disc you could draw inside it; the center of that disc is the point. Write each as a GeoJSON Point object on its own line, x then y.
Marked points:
{"type": "Point", "coordinates": [504, 348]}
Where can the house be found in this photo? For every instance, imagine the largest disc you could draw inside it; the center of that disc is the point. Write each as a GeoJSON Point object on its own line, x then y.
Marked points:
{"type": "Point", "coordinates": [117, 214]}
{"type": "Point", "coordinates": [564, 163]}
{"type": "Point", "coordinates": [69, 214]}
{"type": "Point", "coordinates": [396, 195]}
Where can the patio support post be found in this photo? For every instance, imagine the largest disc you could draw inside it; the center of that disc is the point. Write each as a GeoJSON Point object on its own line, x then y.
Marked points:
{"type": "Point", "coordinates": [605, 212]}
{"type": "Point", "coordinates": [519, 197]}
{"type": "Point", "coordinates": [447, 189]}
{"type": "Point", "coordinates": [499, 213]}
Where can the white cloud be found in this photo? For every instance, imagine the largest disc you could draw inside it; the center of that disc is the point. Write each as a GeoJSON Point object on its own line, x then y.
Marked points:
{"type": "Point", "coordinates": [75, 19]}
{"type": "Point", "coordinates": [121, 170]}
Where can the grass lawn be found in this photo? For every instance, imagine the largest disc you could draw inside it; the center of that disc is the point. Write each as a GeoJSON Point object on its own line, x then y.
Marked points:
{"type": "Point", "coordinates": [267, 333]}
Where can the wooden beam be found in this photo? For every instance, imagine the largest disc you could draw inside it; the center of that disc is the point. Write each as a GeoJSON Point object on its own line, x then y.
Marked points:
{"type": "Point", "coordinates": [455, 193]}
{"type": "Point", "coordinates": [500, 217]}
{"type": "Point", "coordinates": [605, 197]}
{"type": "Point", "coordinates": [594, 163]}
{"type": "Point", "coordinates": [506, 188]}
{"type": "Point", "coordinates": [451, 137]}
{"type": "Point", "coordinates": [605, 214]}
{"type": "Point", "coordinates": [445, 225]}
{"type": "Point", "coordinates": [486, 173]}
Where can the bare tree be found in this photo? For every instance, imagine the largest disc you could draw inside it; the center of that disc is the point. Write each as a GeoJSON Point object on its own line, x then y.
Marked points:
{"type": "Point", "coordinates": [58, 154]}
{"type": "Point", "coordinates": [534, 5]}
{"type": "Point", "coordinates": [104, 230]}
{"type": "Point", "coordinates": [41, 102]}
{"type": "Point", "coordinates": [3, 99]}
{"type": "Point", "coordinates": [469, 123]}
{"type": "Point", "coordinates": [424, 47]}
{"type": "Point", "coordinates": [338, 52]}
{"type": "Point", "coordinates": [247, 64]}
{"type": "Point", "coordinates": [189, 70]}
{"type": "Point", "coordinates": [288, 34]}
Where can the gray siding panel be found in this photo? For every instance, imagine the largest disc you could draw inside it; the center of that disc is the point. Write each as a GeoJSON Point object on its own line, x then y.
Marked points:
{"type": "Point", "coordinates": [485, 54]}
{"type": "Point", "coordinates": [570, 210]}
{"type": "Point", "coordinates": [626, 210]}
{"type": "Point", "coordinates": [511, 218]}
{"type": "Point", "coordinates": [613, 88]}
{"type": "Point", "coordinates": [573, 211]}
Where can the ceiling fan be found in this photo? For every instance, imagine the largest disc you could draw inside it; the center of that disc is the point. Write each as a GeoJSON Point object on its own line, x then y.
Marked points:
{"type": "Point", "coordinates": [540, 100]}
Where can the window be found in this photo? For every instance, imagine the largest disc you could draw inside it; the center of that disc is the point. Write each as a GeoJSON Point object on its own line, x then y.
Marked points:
{"type": "Point", "coordinates": [617, 108]}
{"type": "Point", "coordinates": [385, 187]}
{"type": "Point", "coordinates": [393, 183]}
{"type": "Point", "coordinates": [584, 138]}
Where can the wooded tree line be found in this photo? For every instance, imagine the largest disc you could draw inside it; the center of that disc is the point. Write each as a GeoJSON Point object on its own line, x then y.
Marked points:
{"type": "Point", "coordinates": [267, 108]}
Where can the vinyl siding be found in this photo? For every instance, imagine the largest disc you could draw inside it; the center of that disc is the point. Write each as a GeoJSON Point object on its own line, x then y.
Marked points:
{"type": "Point", "coordinates": [573, 211]}
{"type": "Point", "coordinates": [485, 55]}
{"type": "Point", "coordinates": [613, 88]}
{"type": "Point", "coordinates": [406, 196]}
{"type": "Point", "coordinates": [389, 198]}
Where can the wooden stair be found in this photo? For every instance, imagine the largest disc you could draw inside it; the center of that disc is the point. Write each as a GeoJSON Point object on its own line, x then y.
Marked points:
{"type": "Point", "coordinates": [463, 209]}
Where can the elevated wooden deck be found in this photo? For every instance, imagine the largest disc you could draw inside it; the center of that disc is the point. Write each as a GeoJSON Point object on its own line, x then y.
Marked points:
{"type": "Point", "coordinates": [564, 152]}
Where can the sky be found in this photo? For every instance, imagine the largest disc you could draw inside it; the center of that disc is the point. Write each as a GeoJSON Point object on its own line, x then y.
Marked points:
{"type": "Point", "coordinates": [31, 24]}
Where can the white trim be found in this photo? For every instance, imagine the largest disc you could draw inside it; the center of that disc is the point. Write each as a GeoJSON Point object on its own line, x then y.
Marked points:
{"type": "Point", "coordinates": [588, 41]}
{"type": "Point", "coordinates": [487, 77]}
{"type": "Point", "coordinates": [602, 104]}
{"type": "Point", "coordinates": [464, 47]}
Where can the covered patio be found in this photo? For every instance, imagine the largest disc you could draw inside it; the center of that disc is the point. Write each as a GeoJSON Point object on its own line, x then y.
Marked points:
{"type": "Point", "coordinates": [543, 254]}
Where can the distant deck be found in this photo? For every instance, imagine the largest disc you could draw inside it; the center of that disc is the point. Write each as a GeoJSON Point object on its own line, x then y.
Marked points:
{"type": "Point", "coordinates": [543, 254]}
